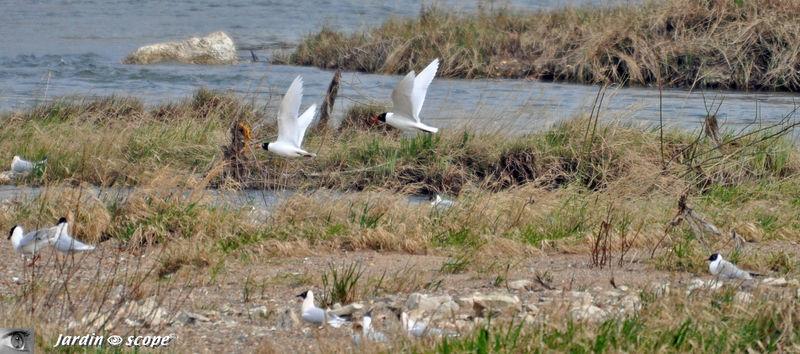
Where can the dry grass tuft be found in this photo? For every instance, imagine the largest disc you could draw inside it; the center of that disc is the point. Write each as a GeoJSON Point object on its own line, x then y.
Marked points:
{"type": "Point", "coordinates": [682, 43]}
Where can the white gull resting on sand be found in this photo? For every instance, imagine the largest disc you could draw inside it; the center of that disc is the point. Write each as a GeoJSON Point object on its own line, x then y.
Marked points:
{"type": "Point", "coordinates": [419, 328]}
{"type": "Point", "coordinates": [313, 314]}
{"type": "Point", "coordinates": [727, 270]}
{"type": "Point", "coordinates": [367, 332]}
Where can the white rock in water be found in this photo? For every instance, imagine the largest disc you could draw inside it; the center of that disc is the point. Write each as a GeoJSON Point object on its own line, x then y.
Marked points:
{"type": "Point", "coordinates": [215, 48]}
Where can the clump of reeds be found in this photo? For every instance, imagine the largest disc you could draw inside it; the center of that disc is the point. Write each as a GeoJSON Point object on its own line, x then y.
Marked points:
{"type": "Point", "coordinates": [724, 44]}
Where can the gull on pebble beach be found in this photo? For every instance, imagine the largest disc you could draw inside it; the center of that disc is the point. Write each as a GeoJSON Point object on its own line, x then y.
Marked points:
{"type": "Point", "coordinates": [420, 328]}
{"type": "Point", "coordinates": [367, 333]}
{"type": "Point", "coordinates": [313, 314]}
{"type": "Point", "coordinates": [32, 243]}
{"type": "Point", "coordinates": [727, 270]}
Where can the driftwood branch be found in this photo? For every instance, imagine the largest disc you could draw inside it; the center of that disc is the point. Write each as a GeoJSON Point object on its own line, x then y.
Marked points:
{"type": "Point", "coordinates": [235, 154]}
{"type": "Point", "coordinates": [326, 110]}
{"type": "Point", "coordinates": [699, 225]}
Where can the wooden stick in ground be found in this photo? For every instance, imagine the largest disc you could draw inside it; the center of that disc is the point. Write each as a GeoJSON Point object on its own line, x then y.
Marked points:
{"type": "Point", "coordinates": [326, 110]}
{"type": "Point", "coordinates": [234, 153]}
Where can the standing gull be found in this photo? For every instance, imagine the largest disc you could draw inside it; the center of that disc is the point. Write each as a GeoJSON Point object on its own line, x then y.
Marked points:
{"type": "Point", "coordinates": [65, 243]}
{"type": "Point", "coordinates": [407, 99]}
{"type": "Point", "coordinates": [312, 313]}
{"type": "Point", "coordinates": [31, 243]}
{"type": "Point", "coordinates": [291, 127]}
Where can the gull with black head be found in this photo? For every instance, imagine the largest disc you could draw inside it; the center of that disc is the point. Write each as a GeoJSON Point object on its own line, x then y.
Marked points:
{"type": "Point", "coordinates": [291, 127]}
{"type": "Point", "coordinates": [727, 270]}
{"type": "Point", "coordinates": [407, 99]}
{"type": "Point", "coordinates": [313, 314]}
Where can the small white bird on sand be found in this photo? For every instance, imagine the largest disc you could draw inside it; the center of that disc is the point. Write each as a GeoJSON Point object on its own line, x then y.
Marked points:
{"type": "Point", "coordinates": [367, 332]}
{"type": "Point", "coordinates": [313, 314]}
{"type": "Point", "coordinates": [32, 243]}
{"type": "Point", "coordinates": [419, 328]}
{"type": "Point", "coordinates": [727, 270]}
{"type": "Point", "coordinates": [20, 165]}
{"type": "Point", "coordinates": [407, 99]}
{"type": "Point", "coordinates": [65, 243]}
{"type": "Point", "coordinates": [439, 203]}
{"type": "Point", "coordinates": [291, 128]}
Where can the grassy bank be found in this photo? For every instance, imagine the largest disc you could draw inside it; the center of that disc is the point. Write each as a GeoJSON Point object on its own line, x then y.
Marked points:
{"type": "Point", "coordinates": [118, 142]}
{"type": "Point", "coordinates": [600, 193]}
{"type": "Point", "coordinates": [679, 43]}
{"type": "Point", "coordinates": [536, 189]}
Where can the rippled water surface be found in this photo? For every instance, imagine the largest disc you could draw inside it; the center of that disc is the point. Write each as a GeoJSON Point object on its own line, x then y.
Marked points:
{"type": "Point", "coordinates": [56, 48]}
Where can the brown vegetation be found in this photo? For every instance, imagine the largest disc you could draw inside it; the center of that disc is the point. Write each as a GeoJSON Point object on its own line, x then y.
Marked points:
{"type": "Point", "coordinates": [681, 43]}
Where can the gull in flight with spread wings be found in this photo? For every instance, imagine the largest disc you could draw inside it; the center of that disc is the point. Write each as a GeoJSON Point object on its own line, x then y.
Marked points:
{"type": "Point", "coordinates": [407, 99]}
{"type": "Point", "coordinates": [291, 127]}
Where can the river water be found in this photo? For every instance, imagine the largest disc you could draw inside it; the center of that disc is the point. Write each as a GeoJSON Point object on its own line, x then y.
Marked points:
{"type": "Point", "coordinates": [66, 47]}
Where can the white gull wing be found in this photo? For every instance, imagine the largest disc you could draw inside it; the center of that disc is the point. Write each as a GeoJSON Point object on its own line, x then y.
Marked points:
{"type": "Point", "coordinates": [290, 108]}
{"type": "Point", "coordinates": [317, 315]}
{"type": "Point", "coordinates": [421, 84]}
{"type": "Point", "coordinates": [402, 105]}
{"type": "Point", "coordinates": [409, 94]}
{"type": "Point", "coordinates": [728, 270]}
{"type": "Point", "coordinates": [34, 241]}
{"type": "Point", "coordinates": [303, 122]}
